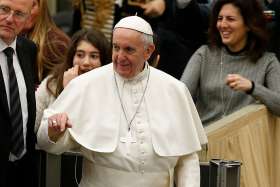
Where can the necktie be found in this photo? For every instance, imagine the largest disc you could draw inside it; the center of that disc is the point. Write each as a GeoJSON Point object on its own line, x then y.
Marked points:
{"type": "Point", "coordinates": [17, 142]}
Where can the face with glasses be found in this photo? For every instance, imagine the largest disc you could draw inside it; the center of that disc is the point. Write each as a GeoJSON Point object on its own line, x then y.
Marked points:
{"type": "Point", "coordinates": [13, 15]}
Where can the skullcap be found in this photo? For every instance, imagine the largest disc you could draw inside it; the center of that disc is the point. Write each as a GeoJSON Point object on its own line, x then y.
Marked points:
{"type": "Point", "coordinates": [135, 23]}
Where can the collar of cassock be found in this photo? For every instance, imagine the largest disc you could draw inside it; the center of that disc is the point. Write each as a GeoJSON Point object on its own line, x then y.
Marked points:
{"type": "Point", "coordinates": [139, 77]}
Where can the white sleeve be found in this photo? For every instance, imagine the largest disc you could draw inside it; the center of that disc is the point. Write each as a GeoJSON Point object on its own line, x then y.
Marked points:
{"type": "Point", "coordinates": [65, 143]}
{"type": "Point", "coordinates": [182, 3]}
{"type": "Point", "coordinates": [187, 171]}
{"type": "Point", "coordinates": [43, 100]}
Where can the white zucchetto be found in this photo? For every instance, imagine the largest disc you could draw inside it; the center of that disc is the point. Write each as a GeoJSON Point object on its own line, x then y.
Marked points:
{"type": "Point", "coordinates": [135, 23]}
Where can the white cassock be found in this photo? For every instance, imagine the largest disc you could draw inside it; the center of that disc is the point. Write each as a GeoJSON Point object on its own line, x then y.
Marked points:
{"type": "Point", "coordinates": [164, 134]}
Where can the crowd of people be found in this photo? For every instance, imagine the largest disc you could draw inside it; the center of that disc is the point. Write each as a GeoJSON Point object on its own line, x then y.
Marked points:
{"type": "Point", "coordinates": [131, 93]}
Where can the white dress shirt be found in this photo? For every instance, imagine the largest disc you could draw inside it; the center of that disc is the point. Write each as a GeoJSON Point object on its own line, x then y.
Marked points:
{"type": "Point", "coordinates": [21, 87]}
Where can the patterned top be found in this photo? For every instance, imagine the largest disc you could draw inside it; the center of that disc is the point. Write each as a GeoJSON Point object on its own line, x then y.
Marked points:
{"type": "Point", "coordinates": [89, 18]}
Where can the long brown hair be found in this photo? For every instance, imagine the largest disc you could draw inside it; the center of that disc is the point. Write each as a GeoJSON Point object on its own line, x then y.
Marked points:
{"type": "Point", "coordinates": [94, 37]}
{"type": "Point", "coordinates": [50, 40]}
{"type": "Point", "coordinates": [253, 17]}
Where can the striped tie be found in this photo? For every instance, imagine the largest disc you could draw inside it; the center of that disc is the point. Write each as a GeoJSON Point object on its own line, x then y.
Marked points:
{"type": "Point", "coordinates": [17, 142]}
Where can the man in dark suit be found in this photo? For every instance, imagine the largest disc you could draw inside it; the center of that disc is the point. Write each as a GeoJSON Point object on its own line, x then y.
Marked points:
{"type": "Point", "coordinates": [17, 98]}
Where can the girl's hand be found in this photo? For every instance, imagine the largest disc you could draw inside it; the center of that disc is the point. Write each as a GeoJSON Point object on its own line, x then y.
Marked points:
{"type": "Point", "coordinates": [70, 74]}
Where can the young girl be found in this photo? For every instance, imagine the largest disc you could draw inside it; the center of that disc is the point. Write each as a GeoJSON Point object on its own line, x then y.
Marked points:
{"type": "Point", "coordinates": [89, 49]}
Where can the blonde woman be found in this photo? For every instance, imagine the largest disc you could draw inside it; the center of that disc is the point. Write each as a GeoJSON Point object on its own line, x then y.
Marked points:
{"type": "Point", "coordinates": [51, 41]}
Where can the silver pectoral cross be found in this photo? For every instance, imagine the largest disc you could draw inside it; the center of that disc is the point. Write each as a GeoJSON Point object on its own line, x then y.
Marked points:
{"type": "Point", "coordinates": [128, 140]}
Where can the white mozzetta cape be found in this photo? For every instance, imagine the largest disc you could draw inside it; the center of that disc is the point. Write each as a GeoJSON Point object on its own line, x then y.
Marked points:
{"type": "Point", "coordinates": [92, 104]}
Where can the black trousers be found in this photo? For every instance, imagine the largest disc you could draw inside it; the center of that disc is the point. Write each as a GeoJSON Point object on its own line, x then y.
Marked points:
{"type": "Point", "coordinates": [23, 172]}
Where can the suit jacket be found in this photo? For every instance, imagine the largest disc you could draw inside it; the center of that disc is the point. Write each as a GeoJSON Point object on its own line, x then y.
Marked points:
{"type": "Point", "coordinates": [26, 51]}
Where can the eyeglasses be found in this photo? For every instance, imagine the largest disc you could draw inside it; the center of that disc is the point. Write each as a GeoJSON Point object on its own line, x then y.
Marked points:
{"type": "Point", "coordinates": [17, 15]}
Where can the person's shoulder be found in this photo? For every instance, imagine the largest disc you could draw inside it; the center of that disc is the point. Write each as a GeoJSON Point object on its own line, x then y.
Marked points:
{"type": "Point", "coordinates": [212, 52]}
{"type": "Point", "coordinates": [206, 49]}
{"type": "Point", "coordinates": [204, 54]}
{"type": "Point", "coordinates": [49, 79]}
{"type": "Point", "coordinates": [166, 83]}
{"type": "Point", "coordinates": [101, 71]}
{"type": "Point", "coordinates": [23, 41]}
{"type": "Point", "coordinates": [268, 57]}
{"type": "Point", "coordinates": [96, 78]}
{"type": "Point", "coordinates": [160, 75]}
{"type": "Point", "coordinates": [43, 87]}
{"type": "Point", "coordinates": [95, 74]}
{"type": "Point", "coordinates": [26, 47]}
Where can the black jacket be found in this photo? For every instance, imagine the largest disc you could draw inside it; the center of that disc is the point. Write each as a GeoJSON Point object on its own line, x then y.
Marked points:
{"type": "Point", "coordinates": [26, 51]}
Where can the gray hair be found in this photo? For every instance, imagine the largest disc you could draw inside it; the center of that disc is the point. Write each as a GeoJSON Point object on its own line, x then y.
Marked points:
{"type": "Point", "coordinates": [147, 40]}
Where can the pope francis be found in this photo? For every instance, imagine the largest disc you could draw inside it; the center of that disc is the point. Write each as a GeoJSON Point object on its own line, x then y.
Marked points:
{"type": "Point", "coordinates": [135, 126]}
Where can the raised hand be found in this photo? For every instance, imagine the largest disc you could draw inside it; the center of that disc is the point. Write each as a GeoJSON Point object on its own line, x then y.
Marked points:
{"type": "Point", "coordinates": [70, 74]}
{"type": "Point", "coordinates": [154, 8]}
{"type": "Point", "coordinates": [57, 124]}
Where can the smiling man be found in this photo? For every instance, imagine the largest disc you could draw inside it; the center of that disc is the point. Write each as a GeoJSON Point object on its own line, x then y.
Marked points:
{"type": "Point", "coordinates": [17, 99]}
{"type": "Point", "coordinates": [134, 125]}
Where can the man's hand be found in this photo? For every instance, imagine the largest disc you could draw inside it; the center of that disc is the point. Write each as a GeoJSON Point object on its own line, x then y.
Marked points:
{"type": "Point", "coordinates": [57, 124]}
{"type": "Point", "coordinates": [154, 8]}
